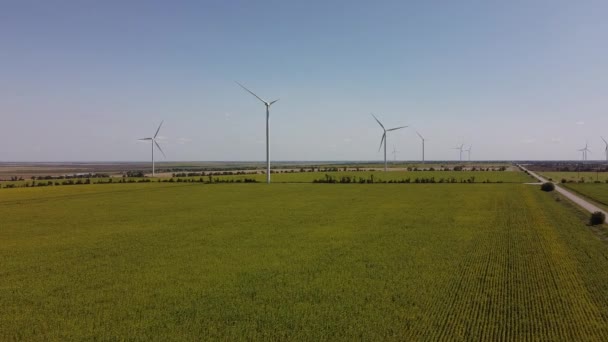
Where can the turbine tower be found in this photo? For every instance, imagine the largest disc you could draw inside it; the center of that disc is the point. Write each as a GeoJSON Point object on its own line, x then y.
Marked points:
{"type": "Point", "coordinates": [421, 138]}
{"type": "Point", "coordinates": [383, 140]}
{"type": "Point", "coordinates": [606, 149]}
{"type": "Point", "coordinates": [154, 142]}
{"type": "Point", "coordinates": [460, 148]}
{"type": "Point", "coordinates": [267, 104]}
{"type": "Point", "coordinates": [395, 153]}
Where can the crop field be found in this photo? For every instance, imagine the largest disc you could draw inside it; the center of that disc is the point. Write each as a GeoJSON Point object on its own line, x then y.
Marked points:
{"type": "Point", "coordinates": [576, 176]}
{"type": "Point", "coordinates": [298, 262]}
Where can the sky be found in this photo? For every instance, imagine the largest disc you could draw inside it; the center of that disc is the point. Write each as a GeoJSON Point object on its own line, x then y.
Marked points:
{"type": "Point", "coordinates": [83, 80]}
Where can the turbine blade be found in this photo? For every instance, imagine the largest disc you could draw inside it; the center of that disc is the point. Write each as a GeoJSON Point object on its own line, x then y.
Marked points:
{"type": "Point", "coordinates": [160, 149]}
{"type": "Point", "coordinates": [159, 126]}
{"type": "Point", "coordinates": [145, 139]}
{"type": "Point", "coordinates": [270, 104]}
{"type": "Point", "coordinates": [419, 135]}
{"type": "Point", "coordinates": [396, 128]}
{"type": "Point", "coordinates": [605, 142]}
{"type": "Point", "coordinates": [378, 121]}
{"type": "Point", "coordinates": [252, 93]}
{"type": "Point", "coordinates": [381, 141]}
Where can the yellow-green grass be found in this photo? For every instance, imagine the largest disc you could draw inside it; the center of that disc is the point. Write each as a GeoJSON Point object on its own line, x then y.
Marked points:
{"type": "Point", "coordinates": [298, 262]}
{"type": "Point", "coordinates": [573, 176]}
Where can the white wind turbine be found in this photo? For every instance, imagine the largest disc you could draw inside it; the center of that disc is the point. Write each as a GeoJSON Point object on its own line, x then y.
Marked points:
{"type": "Point", "coordinates": [469, 151]}
{"type": "Point", "coordinates": [267, 104]}
{"type": "Point", "coordinates": [154, 142]}
{"type": "Point", "coordinates": [460, 148]}
{"type": "Point", "coordinates": [383, 140]}
{"type": "Point", "coordinates": [421, 138]}
{"type": "Point", "coordinates": [395, 153]}
{"type": "Point", "coordinates": [584, 151]}
{"type": "Point", "coordinates": [606, 149]}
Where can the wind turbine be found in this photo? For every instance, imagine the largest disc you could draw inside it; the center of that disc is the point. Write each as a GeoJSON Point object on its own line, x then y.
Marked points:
{"type": "Point", "coordinates": [154, 142]}
{"type": "Point", "coordinates": [395, 153]}
{"type": "Point", "coordinates": [460, 148]}
{"type": "Point", "coordinates": [421, 138]}
{"type": "Point", "coordinates": [469, 151]}
{"type": "Point", "coordinates": [383, 140]}
{"type": "Point", "coordinates": [267, 104]}
{"type": "Point", "coordinates": [606, 149]}
{"type": "Point", "coordinates": [585, 150]}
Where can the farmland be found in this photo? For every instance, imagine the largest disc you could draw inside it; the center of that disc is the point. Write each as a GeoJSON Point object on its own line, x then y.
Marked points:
{"type": "Point", "coordinates": [298, 261]}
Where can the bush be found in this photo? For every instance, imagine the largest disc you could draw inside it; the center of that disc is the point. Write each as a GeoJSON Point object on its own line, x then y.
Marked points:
{"type": "Point", "coordinates": [597, 217]}
{"type": "Point", "coordinates": [564, 180]}
{"type": "Point", "coordinates": [547, 187]}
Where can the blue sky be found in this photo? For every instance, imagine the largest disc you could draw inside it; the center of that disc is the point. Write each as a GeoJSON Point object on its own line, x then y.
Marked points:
{"type": "Point", "coordinates": [82, 80]}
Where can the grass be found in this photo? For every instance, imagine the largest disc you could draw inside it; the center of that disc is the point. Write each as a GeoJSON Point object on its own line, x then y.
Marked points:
{"type": "Point", "coordinates": [298, 262]}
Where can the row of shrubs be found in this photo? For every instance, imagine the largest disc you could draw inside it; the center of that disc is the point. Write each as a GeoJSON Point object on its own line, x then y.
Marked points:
{"type": "Point", "coordinates": [582, 180]}
{"type": "Point", "coordinates": [325, 169]}
{"type": "Point", "coordinates": [371, 180]}
{"type": "Point", "coordinates": [209, 180]}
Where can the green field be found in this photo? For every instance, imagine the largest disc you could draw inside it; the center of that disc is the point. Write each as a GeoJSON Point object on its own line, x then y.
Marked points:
{"type": "Point", "coordinates": [576, 176]}
{"type": "Point", "coordinates": [298, 262]}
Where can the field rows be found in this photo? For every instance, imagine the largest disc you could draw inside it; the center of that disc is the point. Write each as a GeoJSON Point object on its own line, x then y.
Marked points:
{"type": "Point", "coordinates": [298, 262]}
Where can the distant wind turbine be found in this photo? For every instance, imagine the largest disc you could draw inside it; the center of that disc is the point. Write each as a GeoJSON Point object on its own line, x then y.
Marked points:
{"type": "Point", "coordinates": [460, 148]}
{"type": "Point", "coordinates": [154, 142]}
{"type": "Point", "coordinates": [469, 151]}
{"type": "Point", "coordinates": [421, 138]}
{"type": "Point", "coordinates": [606, 149]}
{"type": "Point", "coordinates": [395, 153]}
{"type": "Point", "coordinates": [267, 104]}
{"type": "Point", "coordinates": [584, 151]}
{"type": "Point", "coordinates": [383, 140]}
